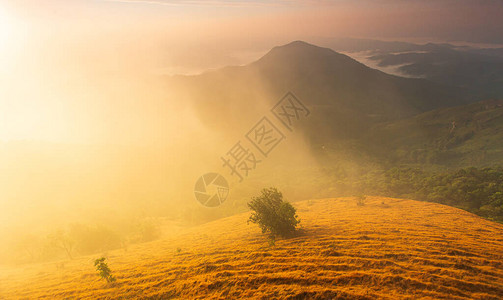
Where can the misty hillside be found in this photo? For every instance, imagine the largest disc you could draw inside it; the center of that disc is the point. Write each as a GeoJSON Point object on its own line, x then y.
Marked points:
{"type": "Point", "coordinates": [387, 249]}
{"type": "Point", "coordinates": [345, 96]}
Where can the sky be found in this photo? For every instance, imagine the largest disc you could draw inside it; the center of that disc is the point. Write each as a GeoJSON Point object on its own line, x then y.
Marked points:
{"type": "Point", "coordinates": [66, 63]}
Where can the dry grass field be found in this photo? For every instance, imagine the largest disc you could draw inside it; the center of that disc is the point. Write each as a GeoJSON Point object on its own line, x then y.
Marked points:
{"type": "Point", "coordinates": [387, 249]}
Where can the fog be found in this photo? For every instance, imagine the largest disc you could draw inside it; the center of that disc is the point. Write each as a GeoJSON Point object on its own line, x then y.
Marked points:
{"type": "Point", "coordinates": [99, 143]}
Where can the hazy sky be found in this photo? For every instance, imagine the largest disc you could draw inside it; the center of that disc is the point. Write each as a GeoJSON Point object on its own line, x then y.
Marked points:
{"type": "Point", "coordinates": [65, 64]}
{"type": "Point", "coordinates": [199, 34]}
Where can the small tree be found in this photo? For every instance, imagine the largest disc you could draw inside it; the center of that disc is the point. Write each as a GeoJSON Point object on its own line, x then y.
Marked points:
{"type": "Point", "coordinates": [273, 215]}
{"type": "Point", "coordinates": [103, 269]}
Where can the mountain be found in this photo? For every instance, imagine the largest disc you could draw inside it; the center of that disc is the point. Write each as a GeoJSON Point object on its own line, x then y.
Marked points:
{"type": "Point", "coordinates": [345, 96]}
{"type": "Point", "coordinates": [476, 70]}
{"type": "Point", "coordinates": [387, 249]}
{"type": "Point", "coordinates": [359, 113]}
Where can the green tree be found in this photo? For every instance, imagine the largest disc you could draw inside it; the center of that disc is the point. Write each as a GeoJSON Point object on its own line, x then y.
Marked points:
{"type": "Point", "coordinates": [103, 269]}
{"type": "Point", "coordinates": [273, 215]}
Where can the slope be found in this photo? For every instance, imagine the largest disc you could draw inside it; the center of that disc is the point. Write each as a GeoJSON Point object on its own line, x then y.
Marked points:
{"type": "Point", "coordinates": [389, 248]}
{"type": "Point", "coordinates": [467, 135]}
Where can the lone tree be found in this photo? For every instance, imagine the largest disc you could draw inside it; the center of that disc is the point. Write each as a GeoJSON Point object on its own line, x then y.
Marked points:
{"type": "Point", "coordinates": [103, 270]}
{"type": "Point", "coordinates": [274, 216]}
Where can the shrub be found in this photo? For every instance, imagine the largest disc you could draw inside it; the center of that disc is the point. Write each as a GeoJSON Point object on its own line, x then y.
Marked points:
{"type": "Point", "coordinates": [273, 215]}
{"type": "Point", "coordinates": [103, 269]}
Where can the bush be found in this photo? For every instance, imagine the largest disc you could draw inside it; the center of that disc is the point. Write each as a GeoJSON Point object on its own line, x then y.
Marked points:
{"type": "Point", "coordinates": [273, 215]}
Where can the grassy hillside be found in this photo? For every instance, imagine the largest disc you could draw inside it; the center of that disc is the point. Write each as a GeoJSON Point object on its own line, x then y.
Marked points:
{"type": "Point", "coordinates": [468, 135]}
{"type": "Point", "coordinates": [389, 248]}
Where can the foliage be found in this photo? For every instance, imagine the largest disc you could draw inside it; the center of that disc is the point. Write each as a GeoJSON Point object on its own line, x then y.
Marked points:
{"type": "Point", "coordinates": [273, 215]}
{"type": "Point", "coordinates": [455, 137]}
{"type": "Point", "coordinates": [476, 190]}
{"type": "Point", "coordinates": [103, 269]}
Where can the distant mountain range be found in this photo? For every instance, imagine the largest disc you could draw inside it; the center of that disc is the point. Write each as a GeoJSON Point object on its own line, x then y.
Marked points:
{"type": "Point", "coordinates": [390, 118]}
{"type": "Point", "coordinates": [477, 70]}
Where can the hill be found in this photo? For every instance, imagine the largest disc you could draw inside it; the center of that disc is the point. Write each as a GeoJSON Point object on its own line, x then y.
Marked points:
{"type": "Point", "coordinates": [389, 248]}
{"type": "Point", "coordinates": [461, 136]}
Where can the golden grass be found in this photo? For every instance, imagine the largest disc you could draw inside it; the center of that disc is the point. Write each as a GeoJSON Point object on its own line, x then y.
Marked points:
{"type": "Point", "coordinates": [399, 249]}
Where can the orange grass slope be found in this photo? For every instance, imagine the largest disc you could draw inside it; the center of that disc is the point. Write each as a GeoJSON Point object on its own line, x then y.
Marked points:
{"type": "Point", "coordinates": [389, 248]}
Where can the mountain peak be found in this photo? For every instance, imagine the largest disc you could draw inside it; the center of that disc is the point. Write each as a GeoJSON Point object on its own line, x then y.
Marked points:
{"type": "Point", "coordinates": [299, 44]}
{"type": "Point", "coordinates": [299, 47]}
{"type": "Point", "coordinates": [299, 51]}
